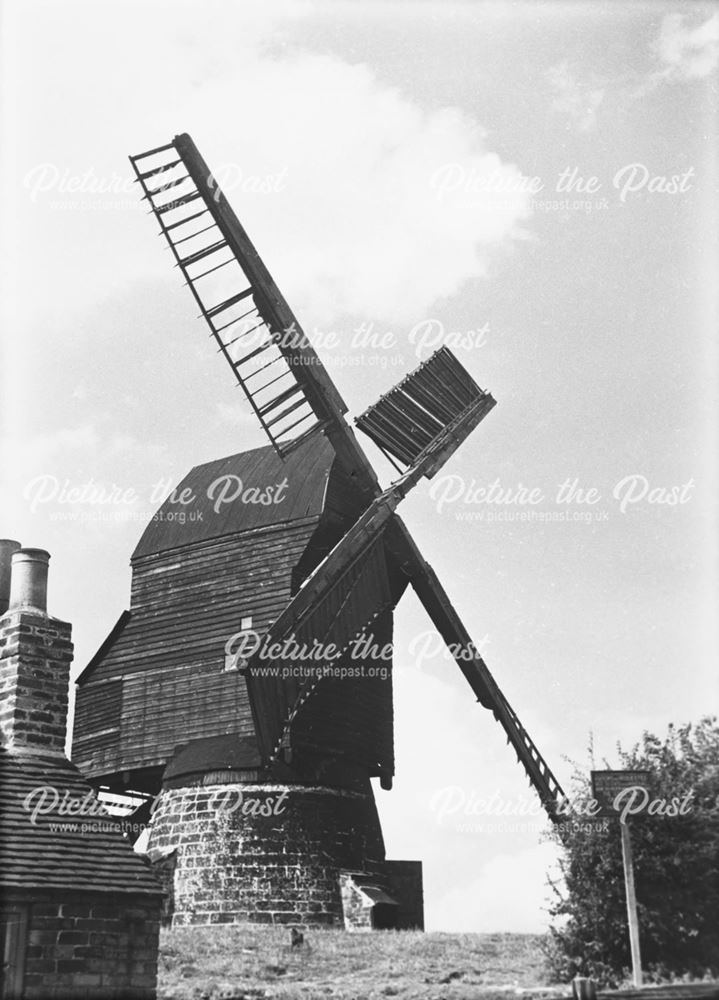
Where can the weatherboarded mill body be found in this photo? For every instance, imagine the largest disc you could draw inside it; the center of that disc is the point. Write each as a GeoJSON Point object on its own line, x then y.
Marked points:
{"type": "Point", "coordinates": [248, 687]}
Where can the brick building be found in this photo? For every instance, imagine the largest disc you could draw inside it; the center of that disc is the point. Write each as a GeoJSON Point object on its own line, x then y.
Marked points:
{"type": "Point", "coordinates": [79, 909]}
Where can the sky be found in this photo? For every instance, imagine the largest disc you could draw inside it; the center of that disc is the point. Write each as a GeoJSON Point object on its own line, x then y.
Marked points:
{"type": "Point", "coordinates": [532, 184]}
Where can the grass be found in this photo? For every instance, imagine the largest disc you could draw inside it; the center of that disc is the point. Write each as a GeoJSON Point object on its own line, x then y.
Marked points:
{"type": "Point", "coordinates": [246, 964]}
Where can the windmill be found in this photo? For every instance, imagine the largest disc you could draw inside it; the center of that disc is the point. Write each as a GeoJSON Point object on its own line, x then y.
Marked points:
{"type": "Point", "coordinates": [345, 582]}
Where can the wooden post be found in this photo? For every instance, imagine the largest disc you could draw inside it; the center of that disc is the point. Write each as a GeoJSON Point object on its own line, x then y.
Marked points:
{"type": "Point", "coordinates": [631, 904]}
{"type": "Point", "coordinates": [583, 988]}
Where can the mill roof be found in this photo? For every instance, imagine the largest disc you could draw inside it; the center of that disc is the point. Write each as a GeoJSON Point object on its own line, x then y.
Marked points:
{"type": "Point", "coordinates": [212, 754]}
{"type": "Point", "coordinates": [267, 491]}
{"type": "Point", "coordinates": [54, 851]}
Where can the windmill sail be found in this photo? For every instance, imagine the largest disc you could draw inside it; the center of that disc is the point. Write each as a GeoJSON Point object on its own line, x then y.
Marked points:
{"type": "Point", "coordinates": [427, 415]}
{"type": "Point", "coordinates": [253, 326]}
{"type": "Point", "coordinates": [444, 616]}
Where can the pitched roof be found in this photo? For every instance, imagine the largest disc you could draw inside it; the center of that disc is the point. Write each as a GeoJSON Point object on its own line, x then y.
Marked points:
{"type": "Point", "coordinates": [304, 473]}
{"type": "Point", "coordinates": [54, 849]}
{"type": "Point", "coordinates": [368, 886]}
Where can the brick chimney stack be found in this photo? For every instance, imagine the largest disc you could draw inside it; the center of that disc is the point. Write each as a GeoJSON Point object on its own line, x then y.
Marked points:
{"type": "Point", "coordinates": [35, 656]}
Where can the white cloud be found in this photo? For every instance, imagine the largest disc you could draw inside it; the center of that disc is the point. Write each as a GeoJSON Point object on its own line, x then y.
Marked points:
{"type": "Point", "coordinates": [353, 225]}
{"type": "Point", "coordinates": [26, 460]}
{"type": "Point", "coordinates": [679, 53]}
{"type": "Point", "coordinates": [689, 53]}
{"type": "Point", "coordinates": [510, 894]}
{"type": "Point", "coordinates": [43, 470]}
{"type": "Point", "coordinates": [359, 227]}
{"type": "Point", "coordinates": [241, 418]}
{"type": "Point", "coordinates": [578, 99]}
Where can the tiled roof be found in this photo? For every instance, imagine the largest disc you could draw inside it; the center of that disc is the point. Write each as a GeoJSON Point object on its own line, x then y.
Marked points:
{"type": "Point", "coordinates": [55, 851]}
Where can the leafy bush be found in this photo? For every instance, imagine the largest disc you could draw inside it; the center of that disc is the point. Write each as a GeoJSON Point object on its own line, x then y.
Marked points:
{"type": "Point", "coordinates": [676, 870]}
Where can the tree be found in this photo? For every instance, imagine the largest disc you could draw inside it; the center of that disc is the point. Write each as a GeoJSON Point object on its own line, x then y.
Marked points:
{"type": "Point", "coordinates": [676, 868]}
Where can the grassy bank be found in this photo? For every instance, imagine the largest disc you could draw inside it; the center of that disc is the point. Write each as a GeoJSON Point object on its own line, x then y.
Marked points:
{"type": "Point", "coordinates": [241, 964]}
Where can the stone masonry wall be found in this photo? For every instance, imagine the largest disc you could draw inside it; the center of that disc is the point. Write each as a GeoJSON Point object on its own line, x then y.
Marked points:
{"type": "Point", "coordinates": [236, 865]}
{"type": "Point", "coordinates": [91, 946]}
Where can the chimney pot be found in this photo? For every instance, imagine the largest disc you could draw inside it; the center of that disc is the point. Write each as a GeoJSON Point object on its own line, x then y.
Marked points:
{"type": "Point", "coordinates": [28, 585]}
{"type": "Point", "coordinates": [8, 546]}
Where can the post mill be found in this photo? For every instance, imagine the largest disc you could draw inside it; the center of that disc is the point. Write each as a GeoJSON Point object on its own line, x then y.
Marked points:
{"type": "Point", "coordinates": [260, 765]}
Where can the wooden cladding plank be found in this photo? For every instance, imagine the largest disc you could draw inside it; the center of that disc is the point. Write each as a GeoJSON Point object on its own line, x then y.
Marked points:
{"type": "Point", "coordinates": [196, 606]}
{"type": "Point", "coordinates": [221, 560]}
{"type": "Point", "coordinates": [96, 714]}
{"type": "Point", "coordinates": [160, 713]}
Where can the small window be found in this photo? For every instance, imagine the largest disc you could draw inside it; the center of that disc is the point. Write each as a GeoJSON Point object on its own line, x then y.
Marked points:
{"type": "Point", "coordinates": [233, 661]}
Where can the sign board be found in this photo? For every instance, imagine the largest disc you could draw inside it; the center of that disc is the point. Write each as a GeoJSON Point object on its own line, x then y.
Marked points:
{"type": "Point", "coordinates": [611, 791]}
{"type": "Point", "coordinates": [607, 785]}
